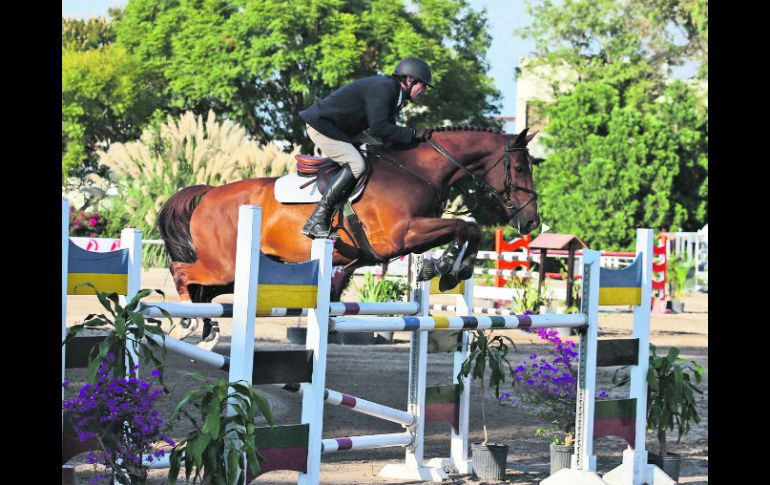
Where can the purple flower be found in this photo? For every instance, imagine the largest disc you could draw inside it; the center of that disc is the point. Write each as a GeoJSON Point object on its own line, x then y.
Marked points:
{"type": "Point", "coordinates": [104, 409]}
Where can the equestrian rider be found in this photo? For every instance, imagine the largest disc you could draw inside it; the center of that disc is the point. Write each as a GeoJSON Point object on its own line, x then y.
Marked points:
{"type": "Point", "coordinates": [369, 103]}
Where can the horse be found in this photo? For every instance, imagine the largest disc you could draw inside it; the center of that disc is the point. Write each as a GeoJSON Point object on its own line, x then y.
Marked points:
{"type": "Point", "coordinates": [399, 212]}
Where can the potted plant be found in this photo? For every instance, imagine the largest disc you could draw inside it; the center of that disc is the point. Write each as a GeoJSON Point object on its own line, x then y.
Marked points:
{"type": "Point", "coordinates": [103, 416]}
{"type": "Point", "coordinates": [671, 388]}
{"type": "Point", "coordinates": [547, 384]}
{"type": "Point", "coordinates": [220, 442]}
{"type": "Point", "coordinates": [679, 272]}
{"type": "Point", "coordinates": [488, 351]}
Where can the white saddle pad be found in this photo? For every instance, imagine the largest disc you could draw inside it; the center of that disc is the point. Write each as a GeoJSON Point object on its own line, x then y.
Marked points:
{"type": "Point", "coordinates": [287, 190]}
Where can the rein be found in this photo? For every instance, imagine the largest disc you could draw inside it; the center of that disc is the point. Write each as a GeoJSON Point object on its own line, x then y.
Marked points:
{"type": "Point", "coordinates": [403, 167]}
{"type": "Point", "coordinates": [508, 202]}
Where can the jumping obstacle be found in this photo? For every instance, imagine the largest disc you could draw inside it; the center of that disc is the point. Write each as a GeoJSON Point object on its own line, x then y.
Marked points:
{"type": "Point", "coordinates": [304, 285]}
{"type": "Point", "coordinates": [285, 440]}
{"type": "Point", "coordinates": [245, 332]}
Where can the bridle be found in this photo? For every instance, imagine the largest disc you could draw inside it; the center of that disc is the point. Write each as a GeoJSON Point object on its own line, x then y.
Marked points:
{"type": "Point", "coordinates": [481, 183]}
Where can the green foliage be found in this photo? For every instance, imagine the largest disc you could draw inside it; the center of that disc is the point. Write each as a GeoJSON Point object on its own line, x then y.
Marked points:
{"type": "Point", "coordinates": [487, 351]}
{"type": "Point", "coordinates": [671, 384]}
{"type": "Point", "coordinates": [670, 398]}
{"type": "Point", "coordinates": [631, 146]}
{"type": "Point", "coordinates": [627, 165]}
{"type": "Point", "coordinates": [384, 290]}
{"type": "Point", "coordinates": [679, 271]}
{"type": "Point", "coordinates": [129, 327]}
{"type": "Point", "coordinates": [183, 151]}
{"type": "Point", "coordinates": [260, 62]}
{"type": "Point", "coordinates": [530, 298]}
{"type": "Point", "coordinates": [103, 101]}
{"type": "Point", "coordinates": [216, 447]}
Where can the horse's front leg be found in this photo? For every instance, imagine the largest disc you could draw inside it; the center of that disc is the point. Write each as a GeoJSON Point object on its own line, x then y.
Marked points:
{"type": "Point", "coordinates": [426, 233]}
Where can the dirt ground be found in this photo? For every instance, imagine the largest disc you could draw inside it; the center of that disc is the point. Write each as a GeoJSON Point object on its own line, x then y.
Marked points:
{"type": "Point", "coordinates": [379, 373]}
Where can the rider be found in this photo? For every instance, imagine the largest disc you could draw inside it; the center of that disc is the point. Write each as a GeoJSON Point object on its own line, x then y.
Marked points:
{"type": "Point", "coordinates": [369, 103]}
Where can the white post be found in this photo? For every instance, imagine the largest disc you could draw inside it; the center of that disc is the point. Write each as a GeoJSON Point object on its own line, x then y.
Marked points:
{"type": "Point", "coordinates": [65, 231]}
{"type": "Point", "coordinates": [418, 374]}
{"type": "Point", "coordinates": [414, 468]}
{"type": "Point", "coordinates": [131, 239]}
{"type": "Point", "coordinates": [584, 460]}
{"type": "Point", "coordinates": [317, 341]}
{"type": "Point", "coordinates": [459, 445]}
{"type": "Point", "coordinates": [635, 459]}
{"type": "Point", "coordinates": [245, 295]}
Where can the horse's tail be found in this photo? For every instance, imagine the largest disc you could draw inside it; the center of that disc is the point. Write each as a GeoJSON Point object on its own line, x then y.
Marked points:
{"type": "Point", "coordinates": [174, 222]}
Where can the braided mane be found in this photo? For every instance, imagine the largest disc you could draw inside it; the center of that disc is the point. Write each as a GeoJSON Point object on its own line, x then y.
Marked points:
{"type": "Point", "coordinates": [468, 128]}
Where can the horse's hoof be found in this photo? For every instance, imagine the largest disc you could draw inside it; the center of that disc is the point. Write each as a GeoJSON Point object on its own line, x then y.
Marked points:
{"type": "Point", "coordinates": [465, 273]}
{"type": "Point", "coordinates": [443, 267]}
{"type": "Point", "coordinates": [447, 282]}
{"type": "Point", "coordinates": [185, 328]}
{"type": "Point", "coordinates": [426, 270]}
{"type": "Point", "coordinates": [210, 341]}
{"type": "Point", "coordinates": [208, 326]}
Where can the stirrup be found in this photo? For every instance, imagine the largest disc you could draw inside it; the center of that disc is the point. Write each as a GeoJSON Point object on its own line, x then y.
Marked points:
{"type": "Point", "coordinates": [328, 234]}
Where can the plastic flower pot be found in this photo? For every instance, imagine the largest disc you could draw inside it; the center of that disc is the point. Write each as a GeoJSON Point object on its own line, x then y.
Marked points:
{"type": "Point", "coordinates": [670, 464]}
{"type": "Point", "coordinates": [677, 306]}
{"type": "Point", "coordinates": [561, 455]}
{"type": "Point", "coordinates": [489, 460]}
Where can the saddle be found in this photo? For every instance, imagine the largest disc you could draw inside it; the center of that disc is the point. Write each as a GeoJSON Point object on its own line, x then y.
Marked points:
{"type": "Point", "coordinates": [321, 170]}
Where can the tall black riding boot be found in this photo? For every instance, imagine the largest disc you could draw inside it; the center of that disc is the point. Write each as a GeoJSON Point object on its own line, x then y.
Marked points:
{"type": "Point", "coordinates": [339, 189]}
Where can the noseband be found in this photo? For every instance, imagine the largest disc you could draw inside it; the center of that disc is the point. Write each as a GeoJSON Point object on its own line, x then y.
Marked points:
{"type": "Point", "coordinates": [480, 182]}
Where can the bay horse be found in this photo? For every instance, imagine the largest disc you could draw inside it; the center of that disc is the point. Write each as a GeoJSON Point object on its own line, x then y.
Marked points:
{"type": "Point", "coordinates": [400, 208]}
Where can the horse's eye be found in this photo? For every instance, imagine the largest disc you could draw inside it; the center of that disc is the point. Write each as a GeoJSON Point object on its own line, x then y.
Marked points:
{"type": "Point", "coordinates": [519, 169]}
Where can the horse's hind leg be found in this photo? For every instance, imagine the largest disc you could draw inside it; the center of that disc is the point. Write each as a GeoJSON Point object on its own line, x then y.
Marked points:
{"type": "Point", "coordinates": [188, 278]}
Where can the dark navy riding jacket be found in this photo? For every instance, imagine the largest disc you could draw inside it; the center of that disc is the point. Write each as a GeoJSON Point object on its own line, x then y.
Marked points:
{"type": "Point", "coordinates": [366, 103]}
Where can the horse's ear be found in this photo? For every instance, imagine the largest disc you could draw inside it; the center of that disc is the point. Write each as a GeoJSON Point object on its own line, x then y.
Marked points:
{"type": "Point", "coordinates": [530, 137]}
{"type": "Point", "coordinates": [521, 137]}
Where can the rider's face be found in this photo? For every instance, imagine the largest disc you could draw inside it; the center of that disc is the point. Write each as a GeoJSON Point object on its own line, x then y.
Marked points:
{"type": "Point", "coordinates": [417, 90]}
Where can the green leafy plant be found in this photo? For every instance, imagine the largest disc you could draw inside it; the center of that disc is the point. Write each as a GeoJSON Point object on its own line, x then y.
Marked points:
{"type": "Point", "coordinates": [679, 272]}
{"type": "Point", "coordinates": [382, 290]}
{"type": "Point", "coordinates": [220, 441]}
{"type": "Point", "coordinates": [129, 328]}
{"type": "Point", "coordinates": [487, 351]}
{"type": "Point", "coordinates": [671, 387]}
{"type": "Point", "coordinates": [530, 298]}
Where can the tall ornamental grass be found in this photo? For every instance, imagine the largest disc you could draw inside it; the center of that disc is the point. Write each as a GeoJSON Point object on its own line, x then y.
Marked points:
{"type": "Point", "coordinates": [183, 151]}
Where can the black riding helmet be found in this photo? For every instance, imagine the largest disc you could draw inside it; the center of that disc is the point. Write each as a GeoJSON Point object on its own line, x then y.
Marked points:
{"type": "Point", "coordinates": [415, 67]}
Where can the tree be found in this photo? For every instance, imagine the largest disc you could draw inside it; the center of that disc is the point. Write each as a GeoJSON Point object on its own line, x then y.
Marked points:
{"type": "Point", "coordinates": [103, 96]}
{"type": "Point", "coordinates": [627, 147]}
{"type": "Point", "coordinates": [259, 63]}
{"type": "Point", "coordinates": [642, 164]}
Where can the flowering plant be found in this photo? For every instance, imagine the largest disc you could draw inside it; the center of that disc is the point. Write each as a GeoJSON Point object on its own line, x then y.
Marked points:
{"type": "Point", "coordinates": [86, 224]}
{"type": "Point", "coordinates": [548, 383]}
{"type": "Point", "coordinates": [118, 413]}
